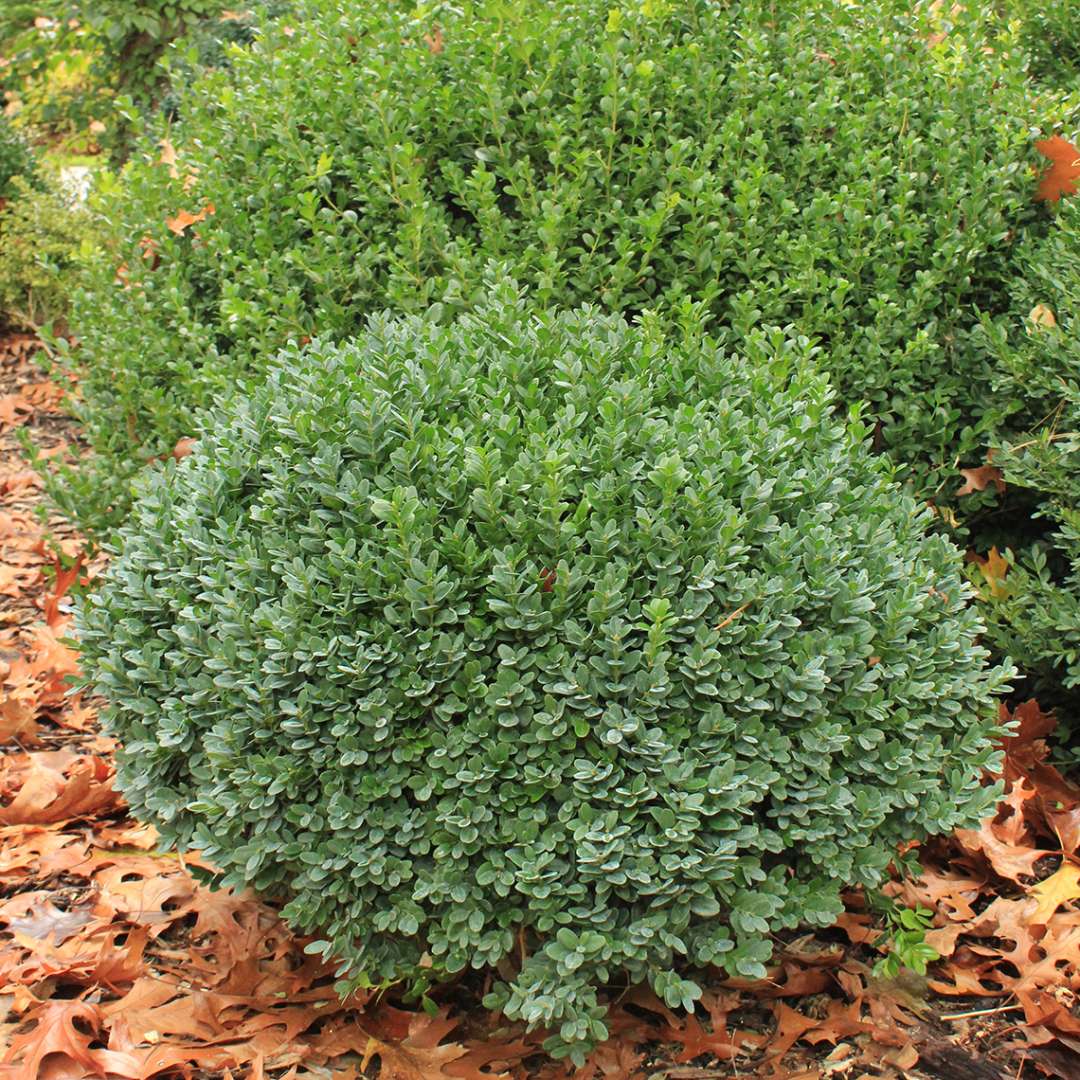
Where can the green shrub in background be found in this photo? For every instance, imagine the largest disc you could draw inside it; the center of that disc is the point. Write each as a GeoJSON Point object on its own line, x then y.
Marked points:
{"type": "Point", "coordinates": [541, 638]}
{"type": "Point", "coordinates": [1035, 609]}
{"type": "Point", "coordinates": [210, 44]}
{"type": "Point", "coordinates": [46, 238]}
{"type": "Point", "coordinates": [813, 164]}
{"type": "Point", "coordinates": [1051, 37]}
{"type": "Point", "coordinates": [76, 62]}
{"type": "Point", "coordinates": [16, 160]}
{"type": "Point", "coordinates": [134, 33]}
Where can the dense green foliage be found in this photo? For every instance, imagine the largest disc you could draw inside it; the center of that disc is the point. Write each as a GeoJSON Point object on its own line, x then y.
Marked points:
{"type": "Point", "coordinates": [1051, 37]}
{"type": "Point", "coordinates": [209, 44]}
{"type": "Point", "coordinates": [16, 159]}
{"type": "Point", "coordinates": [46, 237]}
{"type": "Point", "coordinates": [542, 638]}
{"type": "Point", "coordinates": [1036, 619]}
{"type": "Point", "coordinates": [111, 63]}
{"type": "Point", "coordinates": [815, 163]}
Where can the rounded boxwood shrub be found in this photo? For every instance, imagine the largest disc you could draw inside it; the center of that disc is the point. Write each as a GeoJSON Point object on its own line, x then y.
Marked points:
{"type": "Point", "coordinates": [836, 167]}
{"type": "Point", "coordinates": [541, 638]}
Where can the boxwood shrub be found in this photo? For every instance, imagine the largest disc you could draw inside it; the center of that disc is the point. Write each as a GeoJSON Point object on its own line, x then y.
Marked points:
{"type": "Point", "coordinates": [837, 167]}
{"type": "Point", "coordinates": [1035, 611]}
{"type": "Point", "coordinates": [542, 642]}
{"type": "Point", "coordinates": [1051, 36]}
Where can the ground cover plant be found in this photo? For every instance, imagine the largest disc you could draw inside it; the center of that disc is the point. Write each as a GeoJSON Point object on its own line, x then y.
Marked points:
{"type": "Point", "coordinates": [861, 172]}
{"type": "Point", "coordinates": [542, 634]}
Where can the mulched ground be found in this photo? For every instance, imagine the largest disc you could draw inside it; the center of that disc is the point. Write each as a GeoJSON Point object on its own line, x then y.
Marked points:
{"type": "Point", "coordinates": [116, 960]}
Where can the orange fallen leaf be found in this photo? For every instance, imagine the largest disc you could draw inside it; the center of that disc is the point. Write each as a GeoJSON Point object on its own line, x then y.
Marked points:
{"type": "Point", "coordinates": [65, 578]}
{"type": "Point", "coordinates": [185, 219]}
{"type": "Point", "coordinates": [980, 478]}
{"type": "Point", "coordinates": [168, 157]}
{"type": "Point", "coordinates": [434, 41]}
{"type": "Point", "coordinates": [50, 795]}
{"type": "Point", "coordinates": [1059, 888]}
{"type": "Point", "coordinates": [994, 567]}
{"type": "Point", "coordinates": [1064, 172]}
{"type": "Point", "coordinates": [55, 1033]}
{"type": "Point", "coordinates": [183, 448]}
{"type": "Point", "coordinates": [421, 1056]}
{"type": "Point", "coordinates": [1042, 318]}
{"type": "Point", "coordinates": [1009, 860]}
{"type": "Point", "coordinates": [18, 715]}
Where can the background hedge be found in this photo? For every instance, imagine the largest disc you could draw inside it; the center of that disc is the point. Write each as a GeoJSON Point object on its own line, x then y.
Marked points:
{"type": "Point", "coordinates": [859, 172]}
{"type": "Point", "coordinates": [1035, 606]}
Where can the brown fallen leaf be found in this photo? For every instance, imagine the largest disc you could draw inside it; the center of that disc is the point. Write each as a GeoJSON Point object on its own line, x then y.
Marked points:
{"type": "Point", "coordinates": [1066, 826]}
{"type": "Point", "coordinates": [1059, 888]}
{"type": "Point", "coordinates": [183, 448]}
{"type": "Point", "coordinates": [1007, 859]}
{"type": "Point", "coordinates": [62, 583]}
{"type": "Point", "coordinates": [26, 850]}
{"type": "Point", "coordinates": [18, 712]}
{"type": "Point", "coordinates": [146, 891]}
{"type": "Point", "coordinates": [168, 157]}
{"type": "Point", "coordinates": [55, 1035]}
{"type": "Point", "coordinates": [185, 219]}
{"type": "Point", "coordinates": [1064, 172]}
{"type": "Point", "coordinates": [421, 1056]}
{"type": "Point", "coordinates": [44, 920]}
{"type": "Point", "coordinates": [994, 567]}
{"type": "Point", "coordinates": [434, 41]}
{"type": "Point", "coordinates": [50, 795]}
{"type": "Point", "coordinates": [981, 478]}
{"type": "Point", "coordinates": [1041, 318]}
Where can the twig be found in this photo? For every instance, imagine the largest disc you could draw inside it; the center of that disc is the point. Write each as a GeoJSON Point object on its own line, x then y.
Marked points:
{"type": "Point", "coordinates": [1044, 438]}
{"type": "Point", "coordinates": [735, 614]}
{"type": "Point", "coordinates": [981, 1012]}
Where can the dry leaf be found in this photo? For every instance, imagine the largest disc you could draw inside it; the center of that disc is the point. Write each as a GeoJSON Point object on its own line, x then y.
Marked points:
{"type": "Point", "coordinates": [994, 567]}
{"type": "Point", "coordinates": [55, 1033]}
{"type": "Point", "coordinates": [1041, 317]}
{"type": "Point", "coordinates": [47, 795]}
{"type": "Point", "coordinates": [168, 157]}
{"type": "Point", "coordinates": [980, 478]}
{"type": "Point", "coordinates": [1058, 889]}
{"type": "Point", "coordinates": [183, 448]}
{"type": "Point", "coordinates": [45, 920]}
{"type": "Point", "coordinates": [1010, 861]}
{"type": "Point", "coordinates": [1064, 172]}
{"type": "Point", "coordinates": [434, 41]}
{"type": "Point", "coordinates": [185, 219]}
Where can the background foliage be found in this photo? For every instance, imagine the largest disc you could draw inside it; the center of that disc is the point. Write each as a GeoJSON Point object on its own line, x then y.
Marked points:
{"type": "Point", "coordinates": [93, 71]}
{"type": "Point", "coordinates": [46, 238]}
{"type": "Point", "coordinates": [1036, 604]}
{"type": "Point", "coordinates": [858, 172]}
{"type": "Point", "coordinates": [16, 160]}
